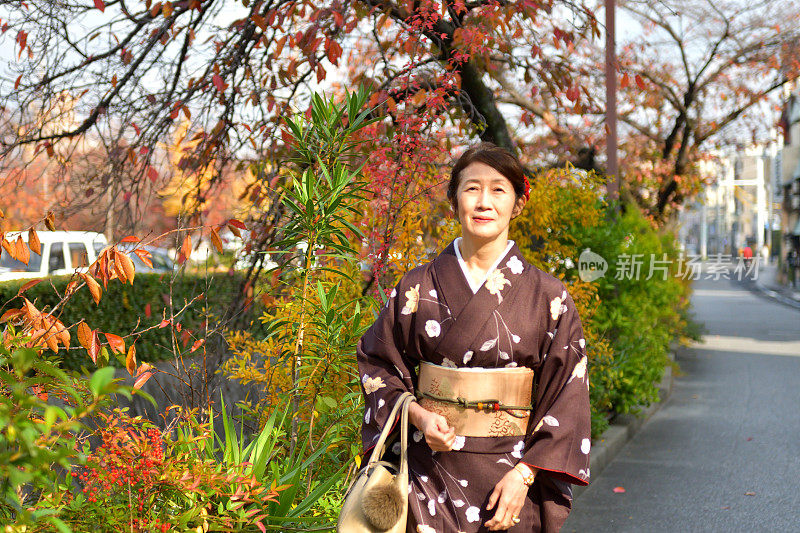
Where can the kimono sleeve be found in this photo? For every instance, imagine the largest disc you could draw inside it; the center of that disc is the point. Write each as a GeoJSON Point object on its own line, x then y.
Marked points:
{"type": "Point", "coordinates": [560, 440]}
{"type": "Point", "coordinates": [385, 368]}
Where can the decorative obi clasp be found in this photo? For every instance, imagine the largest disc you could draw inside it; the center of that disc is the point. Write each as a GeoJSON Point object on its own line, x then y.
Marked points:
{"type": "Point", "coordinates": [478, 402]}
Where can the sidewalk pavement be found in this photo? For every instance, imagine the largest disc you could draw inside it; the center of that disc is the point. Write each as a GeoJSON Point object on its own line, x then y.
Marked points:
{"type": "Point", "coordinates": [624, 427]}
{"type": "Point", "coordinates": [767, 283]}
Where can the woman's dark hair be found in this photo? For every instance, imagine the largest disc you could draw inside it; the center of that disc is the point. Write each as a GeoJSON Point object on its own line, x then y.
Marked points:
{"type": "Point", "coordinates": [494, 156]}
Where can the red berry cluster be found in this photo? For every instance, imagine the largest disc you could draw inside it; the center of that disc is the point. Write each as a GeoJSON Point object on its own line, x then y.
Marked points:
{"type": "Point", "coordinates": [143, 477]}
{"type": "Point", "coordinates": [124, 470]}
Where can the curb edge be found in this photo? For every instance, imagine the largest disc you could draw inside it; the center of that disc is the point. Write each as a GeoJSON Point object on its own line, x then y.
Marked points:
{"type": "Point", "coordinates": [771, 293]}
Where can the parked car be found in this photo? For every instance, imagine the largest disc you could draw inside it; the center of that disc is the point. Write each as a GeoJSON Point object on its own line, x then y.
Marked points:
{"type": "Point", "coordinates": [244, 261]}
{"type": "Point", "coordinates": [63, 252]}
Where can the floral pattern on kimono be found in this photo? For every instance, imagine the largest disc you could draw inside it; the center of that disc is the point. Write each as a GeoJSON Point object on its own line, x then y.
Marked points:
{"type": "Point", "coordinates": [520, 316]}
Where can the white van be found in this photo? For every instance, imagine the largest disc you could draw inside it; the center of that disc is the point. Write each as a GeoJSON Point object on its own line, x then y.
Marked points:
{"type": "Point", "coordinates": [63, 252]}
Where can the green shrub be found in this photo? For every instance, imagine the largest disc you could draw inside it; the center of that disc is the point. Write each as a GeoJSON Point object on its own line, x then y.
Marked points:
{"type": "Point", "coordinates": [628, 323]}
{"type": "Point", "coordinates": [42, 415]}
{"type": "Point", "coordinates": [126, 308]}
{"type": "Point", "coordinates": [638, 316]}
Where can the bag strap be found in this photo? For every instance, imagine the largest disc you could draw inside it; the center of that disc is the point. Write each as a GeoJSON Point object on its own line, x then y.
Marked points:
{"type": "Point", "coordinates": [400, 405]}
{"type": "Point", "coordinates": [403, 470]}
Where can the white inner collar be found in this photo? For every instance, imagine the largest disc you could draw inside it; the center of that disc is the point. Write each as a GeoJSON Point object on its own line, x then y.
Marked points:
{"type": "Point", "coordinates": [476, 287]}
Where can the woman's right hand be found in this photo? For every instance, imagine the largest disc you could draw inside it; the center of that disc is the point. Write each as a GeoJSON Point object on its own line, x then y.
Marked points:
{"type": "Point", "coordinates": [438, 433]}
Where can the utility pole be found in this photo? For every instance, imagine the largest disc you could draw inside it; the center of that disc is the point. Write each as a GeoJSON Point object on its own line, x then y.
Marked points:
{"type": "Point", "coordinates": [761, 204]}
{"type": "Point", "coordinates": [612, 165]}
{"type": "Point", "coordinates": [718, 226]}
{"type": "Point", "coordinates": [703, 230]}
{"type": "Point", "coordinates": [774, 185]}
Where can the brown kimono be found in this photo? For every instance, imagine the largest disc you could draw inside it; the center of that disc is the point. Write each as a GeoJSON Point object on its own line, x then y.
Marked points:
{"type": "Point", "coordinates": [520, 316]}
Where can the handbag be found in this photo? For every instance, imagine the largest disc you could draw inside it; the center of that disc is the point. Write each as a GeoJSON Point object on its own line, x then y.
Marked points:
{"type": "Point", "coordinates": [377, 499]}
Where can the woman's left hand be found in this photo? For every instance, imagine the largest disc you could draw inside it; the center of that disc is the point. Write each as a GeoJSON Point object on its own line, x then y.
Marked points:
{"type": "Point", "coordinates": [509, 495]}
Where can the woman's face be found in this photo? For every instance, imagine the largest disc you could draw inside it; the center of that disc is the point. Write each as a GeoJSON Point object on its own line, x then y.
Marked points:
{"type": "Point", "coordinates": [486, 202]}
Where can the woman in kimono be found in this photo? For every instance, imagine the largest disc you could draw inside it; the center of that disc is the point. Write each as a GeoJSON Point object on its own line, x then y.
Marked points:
{"type": "Point", "coordinates": [493, 348]}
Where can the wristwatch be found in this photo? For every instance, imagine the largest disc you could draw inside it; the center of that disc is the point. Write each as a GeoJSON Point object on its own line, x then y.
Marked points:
{"type": "Point", "coordinates": [528, 475]}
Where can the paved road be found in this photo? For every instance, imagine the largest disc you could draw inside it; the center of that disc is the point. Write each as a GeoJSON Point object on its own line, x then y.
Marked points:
{"type": "Point", "coordinates": [723, 453]}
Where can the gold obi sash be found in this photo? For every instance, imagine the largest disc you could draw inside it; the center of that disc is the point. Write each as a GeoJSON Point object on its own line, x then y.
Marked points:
{"type": "Point", "coordinates": [478, 402]}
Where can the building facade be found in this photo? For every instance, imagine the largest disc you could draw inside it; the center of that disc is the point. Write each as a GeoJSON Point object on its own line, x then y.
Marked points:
{"type": "Point", "coordinates": [789, 142]}
{"type": "Point", "coordinates": [738, 209]}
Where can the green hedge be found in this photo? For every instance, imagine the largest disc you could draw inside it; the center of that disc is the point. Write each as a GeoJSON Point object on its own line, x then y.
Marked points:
{"type": "Point", "coordinates": [638, 316]}
{"type": "Point", "coordinates": [123, 306]}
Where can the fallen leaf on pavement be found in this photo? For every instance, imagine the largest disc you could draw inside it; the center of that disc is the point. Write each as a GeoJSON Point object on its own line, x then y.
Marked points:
{"type": "Point", "coordinates": [619, 490]}
{"type": "Point", "coordinates": [749, 493]}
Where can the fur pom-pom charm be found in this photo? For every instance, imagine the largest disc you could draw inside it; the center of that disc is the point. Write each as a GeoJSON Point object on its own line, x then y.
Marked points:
{"type": "Point", "coordinates": [382, 505]}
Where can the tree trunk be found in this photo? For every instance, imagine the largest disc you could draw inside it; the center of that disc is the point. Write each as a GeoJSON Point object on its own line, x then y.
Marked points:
{"type": "Point", "coordinates": [488, 116]}
{"type": "Point", "coordinates": [668, 192]}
